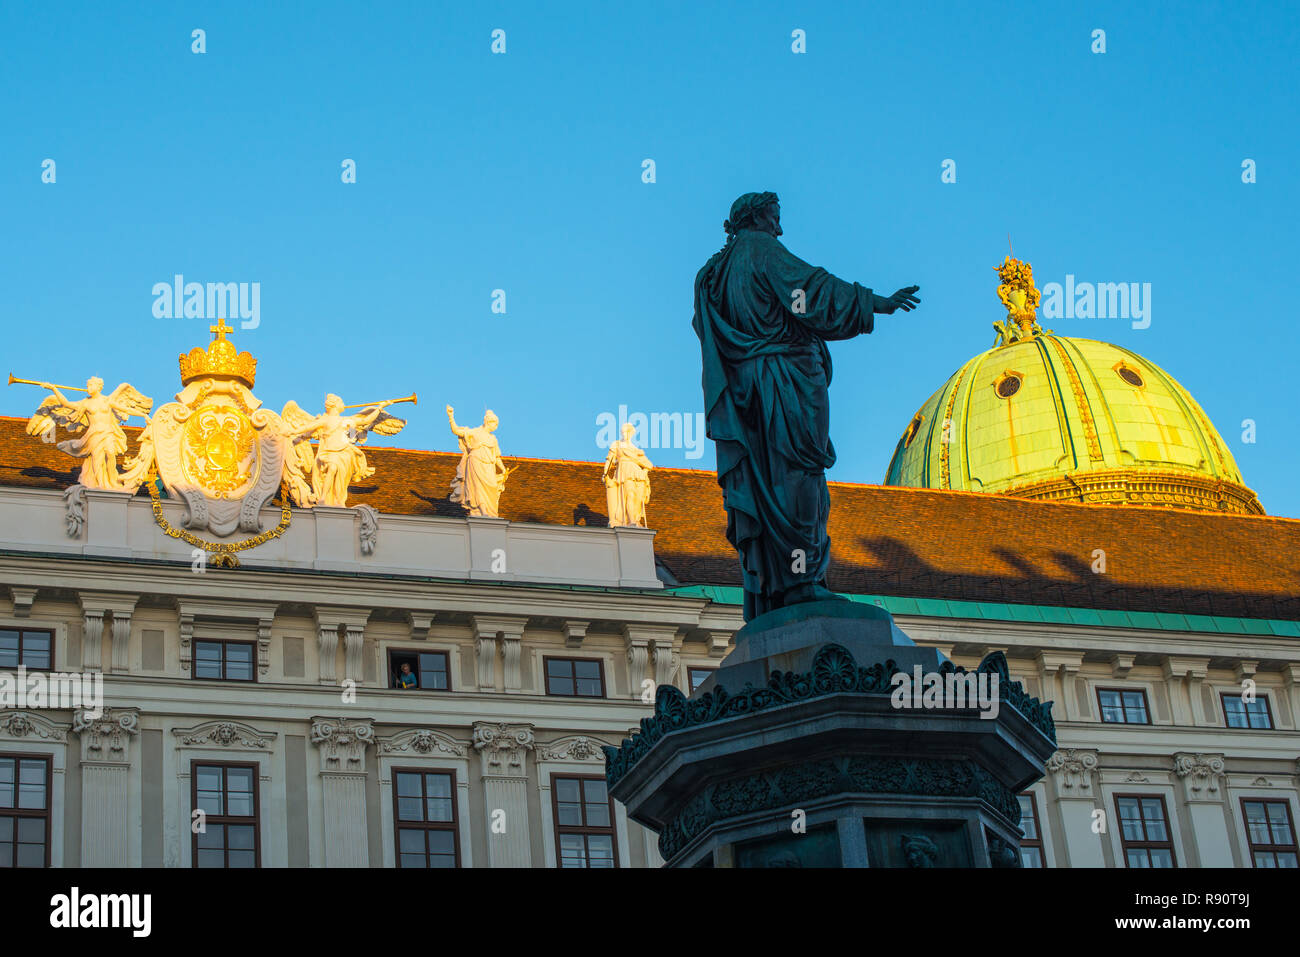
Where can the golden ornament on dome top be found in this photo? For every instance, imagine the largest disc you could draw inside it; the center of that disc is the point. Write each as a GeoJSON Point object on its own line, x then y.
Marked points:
{"type": "Point", "coordinates": [1020, 297]}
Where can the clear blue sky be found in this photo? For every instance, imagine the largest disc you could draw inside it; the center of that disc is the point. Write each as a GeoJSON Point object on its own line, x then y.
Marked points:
{"type": "Point", "coordinates": [522, 172]}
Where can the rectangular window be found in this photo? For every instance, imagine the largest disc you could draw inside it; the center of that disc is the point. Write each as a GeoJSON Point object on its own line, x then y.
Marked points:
{"type": "Point", "coordinates": [1031, 845]}
{"type": "Point", "coordinates": [224, 660]}
{"type": "Point", "coordinates": [1120, 706]}
{"type": "Point", "coordinates": [697, 676]}
{"type": "Point", "coordinates": [584, 822]}
{"type": "Point", "coordinates": [1270, 831]}
{"type": "Point", "coordinates": [425, 818]}
{"type": "Point", "coordinates": [426, 670]}
{"type": "Point", "coordinates": [25, 810]}
{"type": "Point", "coordinates": [1246, 714]}
{"type": "Point", "coordinates": [575, 677]}
{"type": "Point", "coordinates": [1144, 831]}
{"type": "Point", "coordinates": [227, 796]}
{"type": "Point", "coordinates": [22, 646]}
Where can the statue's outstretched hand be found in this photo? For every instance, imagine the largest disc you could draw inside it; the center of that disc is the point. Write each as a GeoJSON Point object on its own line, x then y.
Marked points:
{"type": "Point", "coordinates": [903, 299]}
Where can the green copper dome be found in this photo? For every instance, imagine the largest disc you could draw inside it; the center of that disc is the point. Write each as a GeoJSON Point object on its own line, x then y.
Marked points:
{"type": "Point", "coordinates": [1049, 417]}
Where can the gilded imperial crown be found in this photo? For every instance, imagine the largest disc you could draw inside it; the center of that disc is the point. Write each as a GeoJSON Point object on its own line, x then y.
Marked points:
{"type": "Point", "coordinates": [219, 360]}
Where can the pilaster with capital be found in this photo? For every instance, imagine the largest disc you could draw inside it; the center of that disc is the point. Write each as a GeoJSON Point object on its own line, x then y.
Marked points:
{"type": "Point", "coordinates": [342, 744]}
{"type": "Point", "coordinates": [107, 807]}
{"type": "Point", "coordinates": [1204, 794]}
{"type": "Point", "coordinates": [1075, 780]}
{"type": "Point", "coordinates": [503, 753]}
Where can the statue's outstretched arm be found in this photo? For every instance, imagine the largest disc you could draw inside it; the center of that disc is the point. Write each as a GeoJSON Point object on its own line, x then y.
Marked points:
{"type": "Point", "coordinates": [830, 307]}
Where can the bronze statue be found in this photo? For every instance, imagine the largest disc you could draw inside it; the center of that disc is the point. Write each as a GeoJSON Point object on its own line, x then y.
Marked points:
{"type": "Point", "coordinates": [764, 317]}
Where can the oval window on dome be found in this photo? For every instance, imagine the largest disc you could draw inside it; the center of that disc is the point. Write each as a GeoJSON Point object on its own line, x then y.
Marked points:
{"type": "Point", "coordinates": [1131, 376]}
{"type": "Point", "coordinates": [1007, 384]}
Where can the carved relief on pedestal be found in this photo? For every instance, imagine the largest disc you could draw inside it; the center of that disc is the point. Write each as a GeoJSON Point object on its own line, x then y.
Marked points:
{"type": "Point", "coordinates": [74, 504]}
{"type": "Point", "coordinates": [369, 529]}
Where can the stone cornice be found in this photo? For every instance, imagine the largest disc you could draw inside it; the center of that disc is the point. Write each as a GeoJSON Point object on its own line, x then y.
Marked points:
{"type": "Point", "coordinates": [237, 609]}
{"type": "Point", "coordinates": [99, 602]}
{"type": "Point", "coordinates": [1184, 666]}
{"type": "Point", "coordinates": [322, 588]}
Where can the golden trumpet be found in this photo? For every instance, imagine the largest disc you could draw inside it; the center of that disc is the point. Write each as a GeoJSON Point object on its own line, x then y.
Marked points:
{"type": "Point", "coordinates": [71, 388]}
{"type": "Point", "coordinates": [367, 405]}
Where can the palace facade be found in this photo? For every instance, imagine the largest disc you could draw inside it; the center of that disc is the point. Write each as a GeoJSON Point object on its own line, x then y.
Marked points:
{"type": "Point", "coordinates": [1092, 527]}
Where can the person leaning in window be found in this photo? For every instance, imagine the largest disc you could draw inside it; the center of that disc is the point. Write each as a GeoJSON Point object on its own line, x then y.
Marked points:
{"type": "Point", "coordinates": [406, 680]}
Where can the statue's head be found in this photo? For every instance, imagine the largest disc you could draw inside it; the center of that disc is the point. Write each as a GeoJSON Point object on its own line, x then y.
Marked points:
{"type": "Point", "coordinates": [94, 385]}
{"type": "Point", "coordinates": [761, 211]}
{"type": "Point", "coordinates": [490, 420]}
{"type": "Point", "coordinates": [629, 430]}
{"type": "Point", "coordinates": [333, 404]}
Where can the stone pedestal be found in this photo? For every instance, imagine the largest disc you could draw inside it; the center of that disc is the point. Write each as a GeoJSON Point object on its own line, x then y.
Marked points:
{"type": "Point", "coordinates": [806, 749]}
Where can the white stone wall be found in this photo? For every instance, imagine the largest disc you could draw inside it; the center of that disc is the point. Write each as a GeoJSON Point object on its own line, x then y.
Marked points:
{"type": "Point", "coordinates": [319, 723]}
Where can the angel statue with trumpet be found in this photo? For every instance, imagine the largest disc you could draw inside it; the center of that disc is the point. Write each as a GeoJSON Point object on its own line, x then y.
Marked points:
{"type": "Point", "coordinates": [321, 475]}
{"type": "Point", "coordinates": [95, 424]}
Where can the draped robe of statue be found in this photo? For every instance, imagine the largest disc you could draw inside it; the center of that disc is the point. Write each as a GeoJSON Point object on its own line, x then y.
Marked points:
{"type": "Point", "coordinates": [339, 462]}
{"type": "Point", "coordinates": [99, 445]}
{"type": "Point", "coordinates": [627, 484]}
{"type": "Point", "coordinates": [479, 481]}
{"type": "Point", "coordinates": [766, 373]}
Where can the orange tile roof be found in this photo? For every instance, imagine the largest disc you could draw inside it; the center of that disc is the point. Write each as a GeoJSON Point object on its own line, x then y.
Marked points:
{"type": "Point", "coordinates": [904, 542]}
